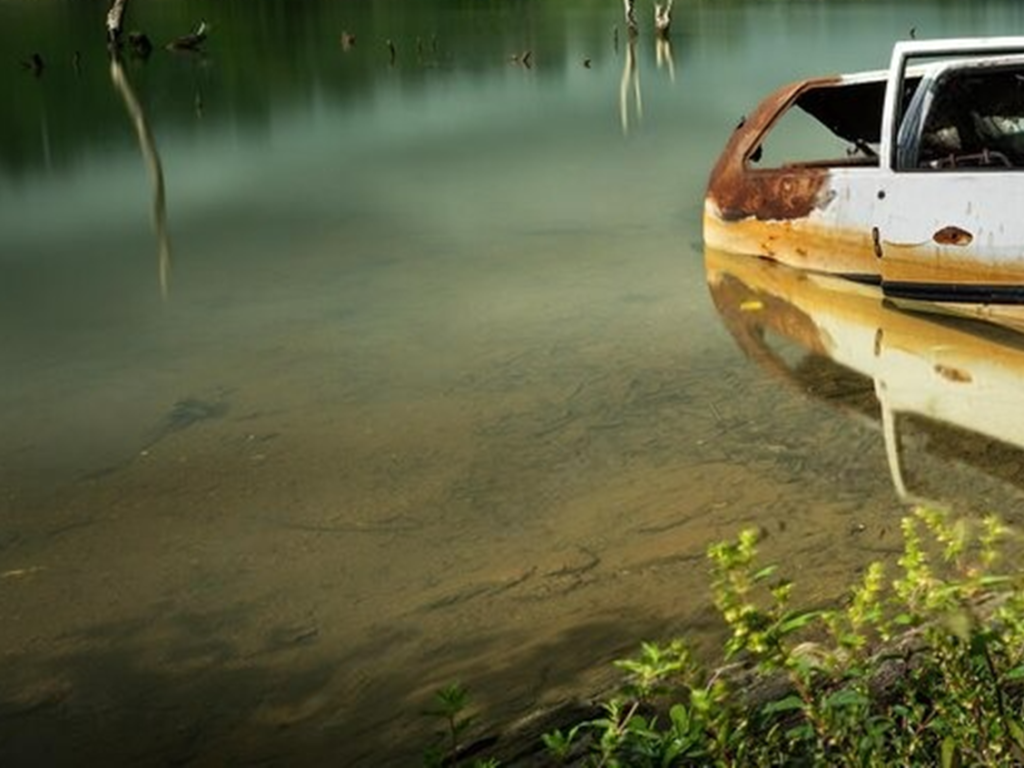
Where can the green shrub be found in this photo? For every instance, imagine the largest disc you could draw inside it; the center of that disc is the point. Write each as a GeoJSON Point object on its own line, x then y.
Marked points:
{"type": "Point", "coordinates": [922, 669]}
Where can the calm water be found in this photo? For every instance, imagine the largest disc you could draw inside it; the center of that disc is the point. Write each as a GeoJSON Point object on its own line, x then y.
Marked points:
{"type": "Point", "coordinates": [329, 379]}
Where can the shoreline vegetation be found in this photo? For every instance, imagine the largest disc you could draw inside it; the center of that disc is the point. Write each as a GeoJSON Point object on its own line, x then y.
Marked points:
{"type": "Point", "coordinates": [923, 666]}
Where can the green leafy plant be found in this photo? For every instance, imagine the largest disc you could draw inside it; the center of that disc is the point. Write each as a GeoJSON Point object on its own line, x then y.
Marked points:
{"type": "Point", "coordinates": [449, 706]}
{"type": "Point", "coordinates": [922, 668]}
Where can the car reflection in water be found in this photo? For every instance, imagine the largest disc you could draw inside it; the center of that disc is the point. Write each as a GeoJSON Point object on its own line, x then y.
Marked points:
{"type": "Point", "coordinates": [947, 387]}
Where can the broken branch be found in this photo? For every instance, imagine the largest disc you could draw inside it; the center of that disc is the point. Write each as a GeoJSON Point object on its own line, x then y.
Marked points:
{"type": "Point", "coordinates": [115, 18]}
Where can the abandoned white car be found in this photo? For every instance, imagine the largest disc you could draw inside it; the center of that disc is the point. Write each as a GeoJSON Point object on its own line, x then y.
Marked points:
{"type": "Point", "coordinates": [911, 178]}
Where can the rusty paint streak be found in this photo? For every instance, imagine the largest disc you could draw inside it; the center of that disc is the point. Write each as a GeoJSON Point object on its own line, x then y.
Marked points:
{"type": "Point", "coordinates": [956, 375]}
{"type": "Point", "coordinates": [924, 264]}
{"type": "Point", "coordinates": [952, 235]}
{"type": "Point", "coordinates": [803, 243]}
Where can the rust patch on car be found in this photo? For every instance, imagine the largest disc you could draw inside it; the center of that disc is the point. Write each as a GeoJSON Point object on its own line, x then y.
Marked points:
{"type": "Point", "coordinates": [921, 264]}
{"type": "Point", "coordinates": [771, 195]}
{"type": "Point", "coordinates": [953, 236]}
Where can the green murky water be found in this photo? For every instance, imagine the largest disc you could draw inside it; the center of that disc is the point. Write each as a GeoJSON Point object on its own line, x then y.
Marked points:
{"type": "Point", "coordinates": [331, 376]}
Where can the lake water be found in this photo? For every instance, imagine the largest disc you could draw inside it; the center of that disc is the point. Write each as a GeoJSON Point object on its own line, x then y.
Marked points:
{"type": "Point", "coordinates": [331, 374]}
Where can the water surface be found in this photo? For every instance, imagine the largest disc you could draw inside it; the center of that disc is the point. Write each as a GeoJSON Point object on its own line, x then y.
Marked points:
{"type": "Point", "coordinates": [329, 379]}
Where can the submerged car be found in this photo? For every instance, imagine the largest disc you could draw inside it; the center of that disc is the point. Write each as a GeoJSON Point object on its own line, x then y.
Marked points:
{"type": "Point", "coordinates": [911, 178]}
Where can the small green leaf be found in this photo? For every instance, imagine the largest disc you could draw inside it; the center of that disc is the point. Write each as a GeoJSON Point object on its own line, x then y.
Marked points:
{"type": "Point", "coordinates": [803, 732]}
{"type": "Point", "coordinates": [991, 581]}
{"type": "Point", "coordinates": [787, 704]}
{"type": "Point", "coordinates": [846, 698]}
{"type": "Point", "coordinates": [1016, 732]}
{"type": "Point", "coordinates": [852, 640]}
{"type": "Point", "coordinates": [950, 753]}
{"type": "Point", "coordinates": [680, 717]}
{"type": "Point", "coordinates": [798, 621]}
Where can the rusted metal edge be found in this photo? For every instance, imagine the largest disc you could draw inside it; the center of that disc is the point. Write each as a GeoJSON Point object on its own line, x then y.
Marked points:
{"type": "Point", "coordinates": [739, 191]}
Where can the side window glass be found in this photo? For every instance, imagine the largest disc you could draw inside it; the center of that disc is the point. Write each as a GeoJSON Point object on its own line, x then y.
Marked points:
{"type": "Point", "coordinates": [797, 139]}
{"type": "Point", "coordinates": [975, 121]}
{"type": "Point", "coordinates": [825, 127]}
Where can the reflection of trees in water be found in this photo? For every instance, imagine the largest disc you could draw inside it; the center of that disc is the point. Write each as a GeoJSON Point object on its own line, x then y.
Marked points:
{"type": "Point", "coordinates": [156, 174]}
{"type": "Point", "coordinates": [630, 82]}
{"type": "Point", "coordinates": [663, 55]}
{"type": "Point", "coordinates": [266, 53]}
{"type": "Point", "coordinates": [629, 85]}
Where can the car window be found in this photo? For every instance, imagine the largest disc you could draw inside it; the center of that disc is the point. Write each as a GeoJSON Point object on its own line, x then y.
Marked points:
{"type": "Point", "coordinates": [975, 120]}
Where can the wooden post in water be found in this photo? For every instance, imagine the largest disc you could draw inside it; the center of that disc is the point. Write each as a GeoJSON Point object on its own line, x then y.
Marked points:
{"type": "Point", "coordinates": [663, 18]}
{"type": "Point", "coordinates": [630, 9]}
{"type": "Point", "coordinates": [115, 18]}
